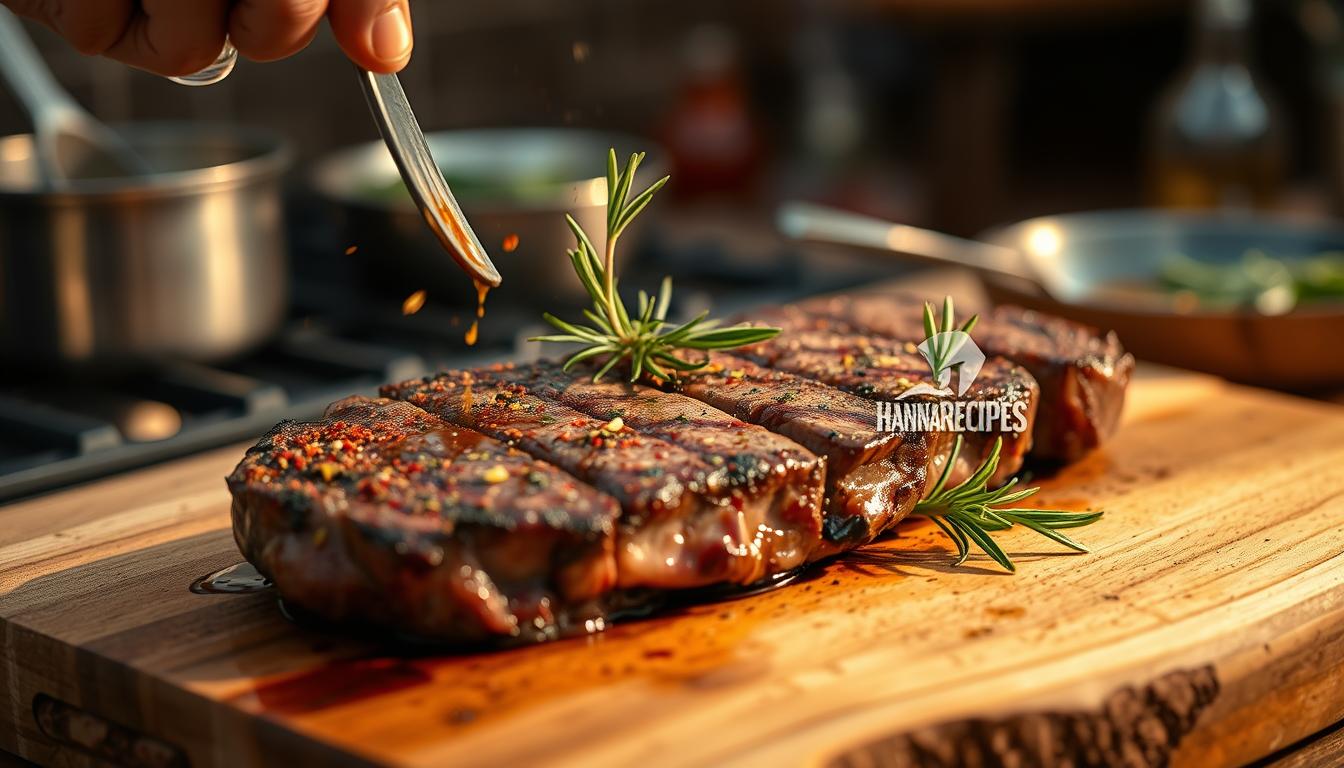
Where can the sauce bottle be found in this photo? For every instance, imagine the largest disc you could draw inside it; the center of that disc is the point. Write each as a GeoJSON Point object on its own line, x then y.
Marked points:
{"type": "Point", "coordinates": [1216, 136]}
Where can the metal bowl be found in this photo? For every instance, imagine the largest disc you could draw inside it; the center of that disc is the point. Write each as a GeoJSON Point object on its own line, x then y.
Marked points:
{"type": "Point", "coordinates": [1296, 350]}
{"type": "Point", "coordinates": [514, 185]}
{"type": "Point", "coordinates": [187, 263]}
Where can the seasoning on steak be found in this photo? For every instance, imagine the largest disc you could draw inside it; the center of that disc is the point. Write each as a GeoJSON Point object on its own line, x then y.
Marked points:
{"type": "Point", "coordinates": [775, 485]}
{"type": "Point", "coordinates": [881, 369]}
{"type": "Point", "coordinates": [873, 479]}
{"type": "Point", "coordinates": [1082, 372]}
{"type": "Point", "coordinates": [383, 512]}
{"type": "Point", "coordinates": [734, 508]}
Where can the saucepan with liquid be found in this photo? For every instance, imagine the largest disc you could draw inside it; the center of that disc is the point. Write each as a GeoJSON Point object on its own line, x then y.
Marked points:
{"type": "Point", "coordinates": [1254, 298]}
{"type": "Point", "coordinates": [186, 261]}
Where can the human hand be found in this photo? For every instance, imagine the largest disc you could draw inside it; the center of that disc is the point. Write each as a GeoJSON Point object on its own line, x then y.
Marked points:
{"type": "Point", "coordinates": [181, 37]}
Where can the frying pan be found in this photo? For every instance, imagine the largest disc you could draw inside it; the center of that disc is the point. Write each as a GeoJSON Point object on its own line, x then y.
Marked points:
{"type": "Point", "coordinates": [1066, 264]}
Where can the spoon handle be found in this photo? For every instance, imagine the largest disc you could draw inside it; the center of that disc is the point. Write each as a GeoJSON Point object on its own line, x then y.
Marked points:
{"type": "Point", "coordinates": [401, 132]}
{"type": "Point", "coordinates": [54, 114]}
{"type": "Point", "coordinates": [27, 75]}
{"type": "Point", "coordinates": [805, 221]}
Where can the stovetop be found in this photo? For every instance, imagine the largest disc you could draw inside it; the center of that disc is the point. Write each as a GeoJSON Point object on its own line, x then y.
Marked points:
{"type": "Point", "coordinates": [340, 340]}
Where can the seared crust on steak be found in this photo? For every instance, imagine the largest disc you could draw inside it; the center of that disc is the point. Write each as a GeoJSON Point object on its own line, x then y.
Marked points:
{"type": "Point", "coordinates": [524, 503]}
{"type": "Point", "coordinates": [383, 512]}
{"type": "Point", "coordinates": [1082, 373]}
{"type": "Point", "coordinates": [874, 479]}
{"type": "Point", "coordinates": [883, 370]}
{"type": "Point", "coordinates": [691, 516]}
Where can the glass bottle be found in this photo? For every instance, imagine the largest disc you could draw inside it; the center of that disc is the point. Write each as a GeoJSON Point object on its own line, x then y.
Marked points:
{"type": "Point", "coordinates": [1217, 137]}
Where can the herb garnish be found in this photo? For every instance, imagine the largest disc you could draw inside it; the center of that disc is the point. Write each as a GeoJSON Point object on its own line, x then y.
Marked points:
{"type": "Point", "coordinates": [942, 344]}
{"type": "Point", "coordinates": [615, 332]}
{"type": "Point", "coordinates": [970, 511]}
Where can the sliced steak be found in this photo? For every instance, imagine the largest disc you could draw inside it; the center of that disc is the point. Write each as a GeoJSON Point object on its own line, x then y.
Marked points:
{"type": "Point", "coordinates": [1082, 372]}
{"type": "Point", "coordinates": [883, 370]}
{"type": "Point", "coordinates": [873, 479]}
{"type": "Point", "coordinates": [734, 507]}
{"type": "Point", "coordinates": [774, 485]}
{"type": "Point", "coordinates": [383, 512]}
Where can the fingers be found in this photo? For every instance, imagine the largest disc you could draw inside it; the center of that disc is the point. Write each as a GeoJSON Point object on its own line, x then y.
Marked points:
{"type": "Point", "coordinates": [375, 34]}
{"type": "Point", "coordinates": [91, 26]}
{"type": "Point", "coordinates": [266, 30]}
{"type": "Point", "coordinates": [179, 37]}
{"type": "Point", "coordinates": [172, 37]}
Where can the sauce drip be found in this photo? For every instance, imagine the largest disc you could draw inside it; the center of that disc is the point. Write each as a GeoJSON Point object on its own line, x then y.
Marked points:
{"type": "Point", "coordinates": [237, 579]}
{"type": "Point", "coordinates": [482, 290]}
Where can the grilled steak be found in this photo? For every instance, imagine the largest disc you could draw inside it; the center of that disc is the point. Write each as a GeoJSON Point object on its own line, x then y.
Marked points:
{"type": "Point", "coordinates": [523, 502]}
{"type": "Point", "coordinates": [873, 479]}
{"type": "Point", "coordinates": [1082, 373]}
{"type": "Point", "coordinates": [383, 512]}
{"type": "Point", "coordinates": [733, 506]}
{"type": "Point", "coordinates": [880, 369]}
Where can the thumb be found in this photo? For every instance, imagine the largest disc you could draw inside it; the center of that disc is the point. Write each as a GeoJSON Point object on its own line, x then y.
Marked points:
{"type": "Point", "coordinates": [375, 34]}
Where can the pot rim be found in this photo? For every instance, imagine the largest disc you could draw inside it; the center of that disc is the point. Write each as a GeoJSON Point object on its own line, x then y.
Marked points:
{"type": "Point", "coordinates": [266, 155]}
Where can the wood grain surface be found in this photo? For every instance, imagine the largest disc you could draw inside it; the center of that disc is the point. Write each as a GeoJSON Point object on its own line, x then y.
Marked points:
{"type": "Point", "coordinates": [1206, 628]}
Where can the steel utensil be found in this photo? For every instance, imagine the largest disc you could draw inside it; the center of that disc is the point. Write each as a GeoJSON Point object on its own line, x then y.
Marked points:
{"type": "Point", "coordinates": [817, 223]}
{"type": "Point", "coordinates": [70, 143]}
{"type": "Point", "coordinates": [406, 142]}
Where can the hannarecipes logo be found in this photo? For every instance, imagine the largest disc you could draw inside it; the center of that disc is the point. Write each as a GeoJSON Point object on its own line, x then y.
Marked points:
{"type": "Point", "coordinates": [950, 350]}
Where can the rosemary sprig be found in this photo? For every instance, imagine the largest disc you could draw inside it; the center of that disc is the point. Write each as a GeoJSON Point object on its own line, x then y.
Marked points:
{"type": "Point", "coordinates": [970, 511]}
{"type": "Point", "coordinates": [617, 333]}
{"type": "Point", "coordinates": [942, 347]}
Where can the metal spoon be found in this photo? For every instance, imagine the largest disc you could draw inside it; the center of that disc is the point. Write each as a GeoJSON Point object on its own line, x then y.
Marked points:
{"type": "Point", "coordinates": [70, 143]}
{"type": "Point", "coordinates": [806, 221]}
{"type": "Point", "coordinates": [406, 142]}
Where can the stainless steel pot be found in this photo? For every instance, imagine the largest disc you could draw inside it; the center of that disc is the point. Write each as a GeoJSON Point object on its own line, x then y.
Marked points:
{"type": "Point", "coordinates": [186, 263]}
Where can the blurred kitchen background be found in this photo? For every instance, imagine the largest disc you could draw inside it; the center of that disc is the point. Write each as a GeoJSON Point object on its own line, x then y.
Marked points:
{"type": "Point", "coordinates": [957, 115]}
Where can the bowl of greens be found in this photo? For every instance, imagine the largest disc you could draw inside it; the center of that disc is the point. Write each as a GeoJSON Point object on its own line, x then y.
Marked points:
{"type": "Point", "coordinates": [1252, 297]}
{"type": "Point", "coordinates": [514, 185]}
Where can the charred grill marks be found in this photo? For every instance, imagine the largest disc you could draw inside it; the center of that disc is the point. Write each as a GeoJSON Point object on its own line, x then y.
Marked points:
{"type": "Point", "coordinates": [1082, 373]}
{"type": "Point", "coordinates": [873, 478]}
{"type": "Point", "coordinates": [479, 540]}
{"type": "Point", "coordinates": [725, 503]}
{"type": "Point", "coordinates": [880, 369]}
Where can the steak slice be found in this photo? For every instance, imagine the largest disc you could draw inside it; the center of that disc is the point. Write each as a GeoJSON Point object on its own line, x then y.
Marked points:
{"type": "Point", "coordinates": [694, 513]}
{"type": "Point", "coordinates": [383, 512]}
{"type": "Point", "coordinates": [775, 486]}
{"type": "Point", "coordinates": [1082, 372]}
{"type": "Point", "coordinates": [883, 370]}
{"type": "Point", "coordinates": [873, 478]}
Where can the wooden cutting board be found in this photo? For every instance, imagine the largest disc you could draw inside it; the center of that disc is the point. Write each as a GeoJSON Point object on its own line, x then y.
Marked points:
{"type": "Point", "coordinates": [1207, 627]}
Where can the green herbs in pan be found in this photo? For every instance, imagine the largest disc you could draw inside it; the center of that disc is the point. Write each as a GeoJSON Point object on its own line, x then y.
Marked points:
{"type": "Point", "coordinates": [1260, 281]}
